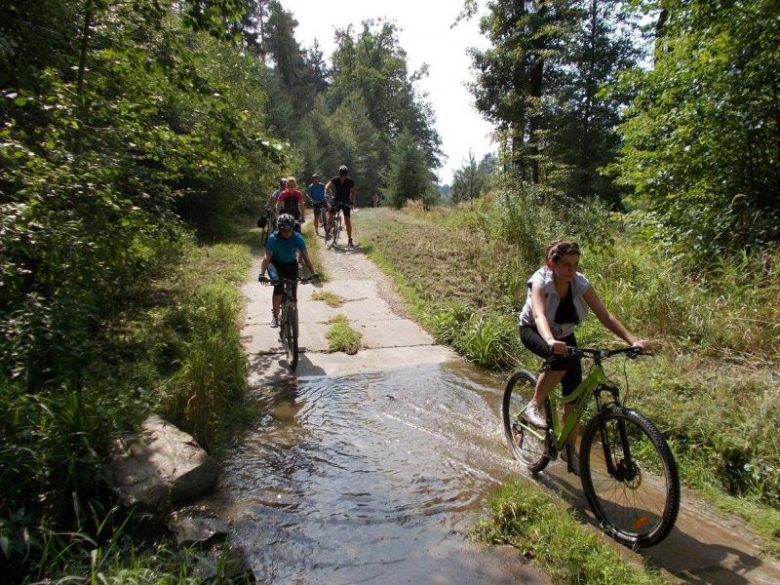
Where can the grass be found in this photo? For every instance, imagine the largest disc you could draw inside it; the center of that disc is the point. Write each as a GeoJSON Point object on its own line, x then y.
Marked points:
{"type": "Point", "coordinates": [341, 337]}
{"type": "Point", "coordinates": [332, 299]}
{"type": "Point", "coordinates": [712, 389]}
{"type": "Point", "coordinates": [314, 247]}
{"type": "Point", "coordinates": [521, 515]}
{"type": "Point", "coordinates": [174, 348]}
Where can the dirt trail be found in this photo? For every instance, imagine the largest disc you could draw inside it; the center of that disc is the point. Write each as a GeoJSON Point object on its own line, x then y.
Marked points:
{"type": "Point", "coordinates": [704, 547]}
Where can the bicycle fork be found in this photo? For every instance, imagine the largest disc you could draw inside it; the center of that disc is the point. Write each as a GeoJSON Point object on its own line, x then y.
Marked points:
{"type": "Point", "coordinates": [624, 471]}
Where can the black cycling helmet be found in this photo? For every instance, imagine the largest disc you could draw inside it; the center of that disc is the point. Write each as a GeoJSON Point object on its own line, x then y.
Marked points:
{"type": "Point", "coordinates": [343, 170]}
{"type": "Point", "coordinates": [286, 222]}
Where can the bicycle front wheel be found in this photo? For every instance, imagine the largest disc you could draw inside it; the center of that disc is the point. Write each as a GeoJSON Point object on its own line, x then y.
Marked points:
{"type": "Point", "coordinates": [629, 477]}
{"type": "Point", "coordinates": [336, 230]}
{"type": "Point", "coordinates": [527, 444]}
{"type": "Point", "coordinates": [291, 345]}
{"type": "Point", "coordinates": [332, 233]}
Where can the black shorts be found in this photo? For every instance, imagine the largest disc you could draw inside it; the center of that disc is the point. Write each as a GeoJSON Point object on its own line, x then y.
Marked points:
{"type": "Point", "coordinates": [317, 208]}
{"type": "Point", "coordinates": [285, 270]}
{"type": "Point", "coordinates": [344, 207]}
{"type": "Point", "coordinates": [553, 361]}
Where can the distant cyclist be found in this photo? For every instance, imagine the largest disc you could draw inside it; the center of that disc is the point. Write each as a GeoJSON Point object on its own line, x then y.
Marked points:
{"type": "Point", "coordinates": [275, 195]}
{"type": "Point", "coordinates": [342, 189]}
{"type": "Point", "coordinates": [282, 251]}
{"type": "Point", "coordinates": [291, 202]}
{"type": "Point", "coordinates": [317, 193]}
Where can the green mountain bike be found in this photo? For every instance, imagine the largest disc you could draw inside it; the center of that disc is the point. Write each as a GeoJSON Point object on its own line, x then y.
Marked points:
{"type": "Point", "coordinates": [628, 472]}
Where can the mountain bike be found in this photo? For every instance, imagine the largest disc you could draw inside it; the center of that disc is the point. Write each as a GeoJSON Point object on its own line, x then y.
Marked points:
{"type": "Point", "coordinates": [628, 472]}
{"type": "Point", "coordinates": [335, 225]}
{"type": "Point", "coordinates": [288, 317]}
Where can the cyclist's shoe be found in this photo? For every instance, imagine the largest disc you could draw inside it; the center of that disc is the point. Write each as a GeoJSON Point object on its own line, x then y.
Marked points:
{"type": "Point", "coordinates": [535, 416]}
{"type": "Point", "coordinates": [350, 244]}
{"type": "Point", "coordinates": [274, 322]}
{"type": "Point", "coordinates": [572, 460]}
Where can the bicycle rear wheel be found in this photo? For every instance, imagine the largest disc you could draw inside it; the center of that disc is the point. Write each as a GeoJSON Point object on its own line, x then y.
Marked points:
{"type": "Point", "coordinates": [527, 445]}
{"type": "Point", "coordinates": [629, 477]}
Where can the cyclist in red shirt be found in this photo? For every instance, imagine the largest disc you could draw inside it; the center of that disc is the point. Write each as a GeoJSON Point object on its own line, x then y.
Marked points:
{"type": "Point", "coordinates": [291, 201]}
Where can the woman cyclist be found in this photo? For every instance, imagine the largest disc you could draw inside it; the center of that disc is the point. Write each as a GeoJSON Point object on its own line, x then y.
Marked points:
{"type": "Point", "coordinates": [282, 251]}
{"type": "Point", "coordinates": [558, 300]}
{"type": "Point", "coordinates": [291, 202]}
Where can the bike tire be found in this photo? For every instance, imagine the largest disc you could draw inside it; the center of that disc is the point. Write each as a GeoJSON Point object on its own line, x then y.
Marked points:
{"type": "Point", "coordinates": [525, 447]}
{"type": "Point", "coordinates": [630, 508]}
{"type": "Point", "coordinates": [330, 235]}
{"type": "Point", "coordinates": [334, 237]}
{"type": "Point", "coordinates": [293, 338]}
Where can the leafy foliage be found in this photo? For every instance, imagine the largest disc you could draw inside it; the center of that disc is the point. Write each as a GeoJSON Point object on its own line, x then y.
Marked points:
{"type": "Point", "coordinates": [118, 120]}
{"type": "Point", "coordinates": [701, 137]}
{"type": "Point", "coordinates": [408, 177]}
{"type": "Point", "coordinates": [542, 84]}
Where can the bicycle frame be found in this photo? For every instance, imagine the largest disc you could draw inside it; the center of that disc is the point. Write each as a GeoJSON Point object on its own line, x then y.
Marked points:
{"type": "Point", "coordinates": [592, 385]}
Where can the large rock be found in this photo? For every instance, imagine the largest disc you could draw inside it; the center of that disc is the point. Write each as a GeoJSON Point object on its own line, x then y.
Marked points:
{"type": "Point", "coordinates": [162, 466]}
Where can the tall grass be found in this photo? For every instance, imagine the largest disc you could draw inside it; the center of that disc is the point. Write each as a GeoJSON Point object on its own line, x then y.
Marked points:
{"type": "Point", "coordinates": [174, 347]}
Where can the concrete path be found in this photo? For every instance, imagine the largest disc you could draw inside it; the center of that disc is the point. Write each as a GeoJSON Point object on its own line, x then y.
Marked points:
{"type": "Point", "coordinates": [372, 308]}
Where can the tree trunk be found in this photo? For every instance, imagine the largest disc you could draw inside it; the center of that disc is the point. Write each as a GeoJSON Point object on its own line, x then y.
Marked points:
{"type": "Point", "coordinates": [660, 31]}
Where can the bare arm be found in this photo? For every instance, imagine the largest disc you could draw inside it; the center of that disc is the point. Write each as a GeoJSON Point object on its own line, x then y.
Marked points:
{"type": "Point", "coordinates": [302, 209]}
{"type": "Point", "coordinates": [266, 261]}
{"type": "Point", "coordinates": [538, 304]}
{"type": "Point", "coordinates": [352, 195]}
{"type": "Point", "coordinates": [329, 189]}
{"type": "Point", "coordinates": [610, 321]}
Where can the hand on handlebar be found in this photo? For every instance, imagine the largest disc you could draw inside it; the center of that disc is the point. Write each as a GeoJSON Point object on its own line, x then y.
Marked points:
{"type": "Point", "coordinates": [558, 347]}
{"type": "Point", "coordinates": [643, 346]}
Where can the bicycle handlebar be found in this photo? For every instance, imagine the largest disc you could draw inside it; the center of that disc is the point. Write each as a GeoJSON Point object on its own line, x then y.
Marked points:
{"type": "Point", "coordinates": [630, 352]}
{"type": "Point", "coordinates": [266, 280]}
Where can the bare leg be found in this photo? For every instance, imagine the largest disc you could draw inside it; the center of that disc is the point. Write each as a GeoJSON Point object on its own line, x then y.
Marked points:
{"type": "Point", "coordinates": [544, 385]}
{"type": "Point", "coordinates": [277, 303]}
{"type": "Point", "coordinates": [348, 222]}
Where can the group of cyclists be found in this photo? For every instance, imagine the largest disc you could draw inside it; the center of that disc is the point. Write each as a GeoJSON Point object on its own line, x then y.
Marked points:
{"type": "Point", "coordinates": [338, 195]}
{"type": "Point", "coordinates": [286, 243]}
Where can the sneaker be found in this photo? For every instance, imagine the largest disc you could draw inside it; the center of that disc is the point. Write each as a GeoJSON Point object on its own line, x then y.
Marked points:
{"type": "Point", "coordinates": [274, 322]}
{"type": "Point", "coordinates": [534, 416]}
{"type": "Point", "coordinates": [572, 460]}
{"type": "Point", "coordinates": [350, 244]}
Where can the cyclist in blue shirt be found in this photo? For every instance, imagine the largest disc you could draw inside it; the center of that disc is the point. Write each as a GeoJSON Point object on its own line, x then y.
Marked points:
{"type": "Point", "coordinates": [282, 251]}
{"type": "Point", "coordinates": [316, 193]}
